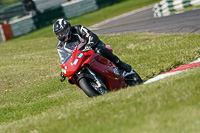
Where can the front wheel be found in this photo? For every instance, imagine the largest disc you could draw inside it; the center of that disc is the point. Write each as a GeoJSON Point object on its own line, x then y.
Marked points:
{"type": "Point", "coordinates": [86, 86]}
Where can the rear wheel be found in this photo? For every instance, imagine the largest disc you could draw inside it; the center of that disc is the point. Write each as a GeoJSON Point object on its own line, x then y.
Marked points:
{"type": "Point", "coordinates": [133, 79]}
{"type": "Point", "coordinates": [137, 78]}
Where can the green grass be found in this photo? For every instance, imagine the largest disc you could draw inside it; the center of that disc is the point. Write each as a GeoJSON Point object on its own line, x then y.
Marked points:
{"type": "Point", "coordinates": [24, 62]}
{"type": "Point", "coordinates": [8, 2]}
{"type": "Point", "coordinates": [170, 105]}
{"type": "Point", "coordinates": [32, 99]}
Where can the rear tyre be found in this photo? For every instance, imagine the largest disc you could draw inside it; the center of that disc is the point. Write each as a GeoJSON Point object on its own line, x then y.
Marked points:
{"type": "Point", "coordinates": [86, 86]}
{"type": "Point", "coordinates": [137, 78]}
{"type": "Point", "coordinates": [133, 79]}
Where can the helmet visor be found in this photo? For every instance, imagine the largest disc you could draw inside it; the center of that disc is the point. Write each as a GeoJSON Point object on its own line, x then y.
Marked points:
{"type": "Point", "coordinates": [62, 33]}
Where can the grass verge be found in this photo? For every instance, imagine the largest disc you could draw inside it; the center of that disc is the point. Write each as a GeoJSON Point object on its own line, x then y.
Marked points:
{"type": "Point", "coordinates": [32, 99]}
{"type": "Point", "coordinates": [25, 62]}
{"type": "Point", "coordinates": [162, 106]}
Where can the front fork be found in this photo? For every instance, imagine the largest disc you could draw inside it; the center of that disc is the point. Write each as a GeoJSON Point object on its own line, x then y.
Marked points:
{"type": "Point", "coordinates": [100, 86]}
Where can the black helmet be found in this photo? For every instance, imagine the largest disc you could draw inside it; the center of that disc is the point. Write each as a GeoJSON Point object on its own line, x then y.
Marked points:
{"type": "Point", "coordinates": [62, 29]}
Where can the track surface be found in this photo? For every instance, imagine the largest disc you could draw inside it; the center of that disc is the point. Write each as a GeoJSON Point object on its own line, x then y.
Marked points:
{"type": "Point", "coordinates": [143, 21]}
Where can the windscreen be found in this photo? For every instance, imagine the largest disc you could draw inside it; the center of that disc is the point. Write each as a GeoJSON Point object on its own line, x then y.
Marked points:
{"type": "Point", "coordinates": [64, 56]}
{"type": "Point", "coordinates": [66, 51]}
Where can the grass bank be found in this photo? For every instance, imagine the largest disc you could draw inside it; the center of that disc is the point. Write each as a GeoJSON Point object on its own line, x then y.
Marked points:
{"type": "Point", "coordinates": [24, 62]}
{"type": "Point", "coordinates": [32, 99]}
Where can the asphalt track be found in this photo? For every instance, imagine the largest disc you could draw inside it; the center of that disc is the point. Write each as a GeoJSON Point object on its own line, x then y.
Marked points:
{"type": "Point", "coordinates": [142, 21]}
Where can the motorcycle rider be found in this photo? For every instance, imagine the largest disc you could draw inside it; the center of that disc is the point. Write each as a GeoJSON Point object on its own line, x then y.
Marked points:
{"type": "Point", "coordinates": [70, 36]}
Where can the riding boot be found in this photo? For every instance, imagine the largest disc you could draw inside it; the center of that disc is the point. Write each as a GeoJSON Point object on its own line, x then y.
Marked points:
{"type": "Point", "coordinates": [122, 65]}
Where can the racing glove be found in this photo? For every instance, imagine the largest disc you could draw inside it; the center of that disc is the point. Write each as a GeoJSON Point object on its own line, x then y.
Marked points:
{"type": "Point", "coordinates": [88, 46]}
{"type": "Point", "coordinates": [62, 77]}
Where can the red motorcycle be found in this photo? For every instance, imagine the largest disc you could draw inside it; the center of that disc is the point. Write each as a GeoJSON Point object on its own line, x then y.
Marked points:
{"type": "Point", "coordinates": [94, 74]}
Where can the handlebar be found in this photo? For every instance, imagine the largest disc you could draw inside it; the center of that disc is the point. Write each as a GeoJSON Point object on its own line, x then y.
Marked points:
{"type": "Point", "coordinates": [86, 50]}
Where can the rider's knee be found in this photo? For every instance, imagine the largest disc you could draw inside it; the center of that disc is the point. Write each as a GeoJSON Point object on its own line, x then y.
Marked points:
{"type": "Point", "coordinates": [103, 51]}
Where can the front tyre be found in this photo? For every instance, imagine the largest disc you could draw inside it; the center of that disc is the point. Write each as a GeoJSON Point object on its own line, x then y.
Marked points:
{"type": "Point", "coordinates": [86, 86]}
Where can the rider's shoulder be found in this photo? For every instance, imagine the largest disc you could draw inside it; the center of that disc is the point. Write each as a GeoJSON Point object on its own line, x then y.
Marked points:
{"type": "Point", "coordinates": [77, 27]}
